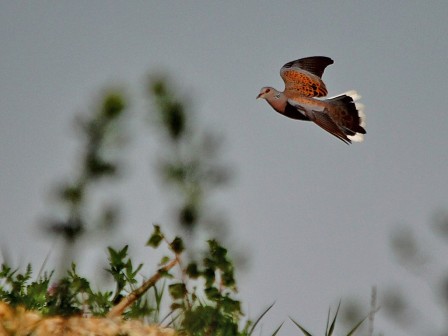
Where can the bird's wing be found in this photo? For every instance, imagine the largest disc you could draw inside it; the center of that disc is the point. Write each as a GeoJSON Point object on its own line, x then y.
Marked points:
{"type": "Point", "coordinates": [302, 77]}
{"type": "Point", "coordinates": [323, 120]}
{"type": "Point", "coordinates": [320, 117]}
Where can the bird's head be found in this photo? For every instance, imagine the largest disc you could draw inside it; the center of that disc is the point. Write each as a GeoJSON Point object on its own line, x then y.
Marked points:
{"type": "Point", "coordinates": [268, 93]}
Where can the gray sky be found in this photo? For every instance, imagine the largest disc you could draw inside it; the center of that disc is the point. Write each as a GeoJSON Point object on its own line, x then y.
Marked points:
{"type": "Point", "coordinates": [314, 214]}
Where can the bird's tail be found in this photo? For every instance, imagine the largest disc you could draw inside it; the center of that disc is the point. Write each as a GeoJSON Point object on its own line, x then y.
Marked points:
{"type": "Point", "coordinates": [348, 114]}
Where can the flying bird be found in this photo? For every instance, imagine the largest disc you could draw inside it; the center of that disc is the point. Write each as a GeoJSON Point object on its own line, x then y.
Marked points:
{"type": "Point", "coordinates": [341, 116]}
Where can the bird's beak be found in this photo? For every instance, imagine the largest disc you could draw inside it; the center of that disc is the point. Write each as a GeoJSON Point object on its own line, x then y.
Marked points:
{"type": "Point", "coordinates": [259, 95]}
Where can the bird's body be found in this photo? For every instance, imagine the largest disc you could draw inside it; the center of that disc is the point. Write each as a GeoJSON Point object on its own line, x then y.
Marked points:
{"type": "Point", "coordinates": [340, 115]}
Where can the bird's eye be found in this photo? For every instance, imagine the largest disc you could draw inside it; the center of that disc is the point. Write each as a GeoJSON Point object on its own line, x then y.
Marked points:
{"type": "Point", "coordinates": [267, 90]}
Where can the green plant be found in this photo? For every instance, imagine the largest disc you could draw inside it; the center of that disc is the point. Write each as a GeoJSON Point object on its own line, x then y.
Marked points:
{"type": "Point", "coordinates": [202, 294]}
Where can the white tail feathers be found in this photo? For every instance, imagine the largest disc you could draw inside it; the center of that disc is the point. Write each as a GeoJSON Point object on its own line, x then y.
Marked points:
{"type": "Point", "coordinates": [358, 137]}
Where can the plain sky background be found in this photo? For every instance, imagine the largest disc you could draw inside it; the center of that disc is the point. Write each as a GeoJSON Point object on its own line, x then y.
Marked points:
{"type": "Point", "coordinates": [314, 214]}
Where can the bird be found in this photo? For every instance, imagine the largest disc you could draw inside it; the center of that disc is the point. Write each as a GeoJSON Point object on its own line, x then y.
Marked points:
{"type": "Point", "coordinates": [342, 116]}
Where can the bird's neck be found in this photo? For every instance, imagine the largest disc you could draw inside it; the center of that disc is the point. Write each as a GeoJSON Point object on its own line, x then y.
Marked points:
{"type": "Point", "coordinates": [278, 104]}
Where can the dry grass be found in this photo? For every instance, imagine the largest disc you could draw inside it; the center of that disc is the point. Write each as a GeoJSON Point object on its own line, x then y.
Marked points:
{"type": "Point", "coordinates": [20, 322]}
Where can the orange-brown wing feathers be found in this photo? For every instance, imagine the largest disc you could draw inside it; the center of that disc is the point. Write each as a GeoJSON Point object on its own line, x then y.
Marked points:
{"type": "Point", "coordinates": [302, 77]}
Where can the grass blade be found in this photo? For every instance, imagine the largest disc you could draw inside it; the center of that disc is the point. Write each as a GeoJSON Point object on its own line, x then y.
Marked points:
{"type": "Point", "coordinates": [278, 329]}
{"type": "Point", "coordinates": [352, 332]}
{"type": "Point", "coordinates": [259, 318]}
{"type": "Point", "coordinates": [300, 327]}
{"type": "Point", "coordinates": [330, 331]}
{"type": "Point", "coordinates": [166, 316]}
{"type": "Point", "coordinates": [328, 321]}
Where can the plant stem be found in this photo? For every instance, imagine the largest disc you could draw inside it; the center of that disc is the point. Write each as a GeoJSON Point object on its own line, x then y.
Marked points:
{"type": "Point", "coordinates": [127, 301]}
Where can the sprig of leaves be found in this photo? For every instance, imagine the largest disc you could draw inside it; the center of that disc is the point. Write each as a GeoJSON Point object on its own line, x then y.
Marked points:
{"type": "Point", "coordinates": [18, 289]}
{"type": "Point", "coordinates": [73, 294]}
{"type": "Point", "coordinates": [189, 163]}
{"type": "Point", "coordinates": [204, 296]}
{"type": "Point", "coordinates": [99, 132]}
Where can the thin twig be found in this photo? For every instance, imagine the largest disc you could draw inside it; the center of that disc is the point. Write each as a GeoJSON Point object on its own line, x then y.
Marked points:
{"type": "Point", "coordinates": [127, 301]}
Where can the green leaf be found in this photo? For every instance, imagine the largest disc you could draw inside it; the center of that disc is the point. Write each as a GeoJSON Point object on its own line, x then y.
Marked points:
{"type": "Point", "coordinates": [131, 273]}
{"type": "Point", "coordinates": [218, 252]}
{"type": "Point", "coordinates": [156, 237]}
{"type": "Point", "coordinates": [176, 305]}
{"type": "Point", "coordinates": [209, 263]}
{"type": "Point", "coordinates": [6, 271]}
{"type": "Point", "coordinates": [72, 193]}
{"type": "Point", "coordinates": [228, 279]}
{"type": "Point", "coordinates": [164, 273]}
{"type": "Point", "coordinates": [230, 306]}
{"type": "Point", "coordinates": [177, 290]}
{"type": "Point", "coordinates": [164, 260]}
{"type": "Point", "coordinates": [209, 276]}
{"type": "Point", "coordinates": [158, 87]}
{"type": "Point", "coordinates": [177, 245]}
{"type": "Point", "coordinates": [188, 215]}
{"type": "Point", "coordinates": [175, 119]}
{"type": "Point", "coordinates": [123, 253]}
{"type": "Point", "coordinates": [212, 293]}
{"type": "Point", "coordinates": [198, 321]}
{"type": "Point", "coordinates": [139, 309]}
{"type": "Point", "coordinates": [113, 106]}
{"type": "Point", "coordinates": [97, 167]}
{"type": "Point", "coordinates": [192, 270]}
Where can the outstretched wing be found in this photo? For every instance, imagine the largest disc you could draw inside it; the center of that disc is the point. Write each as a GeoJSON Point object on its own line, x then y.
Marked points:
{"type": "Point", "coordinates": [318, 113]}
{"type": "Point", "coordinates": [302, 77]}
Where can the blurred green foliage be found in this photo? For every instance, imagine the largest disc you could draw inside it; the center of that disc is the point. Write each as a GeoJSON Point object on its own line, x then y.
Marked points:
{"type": "Point", "coordinates": [414, 250]}
{"type": "Point", "coordinates": [99, 133]}
{"type": "Point", "coordinates": [189, 162]}
{"type": "Point", "coordinates": [200, 295]}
